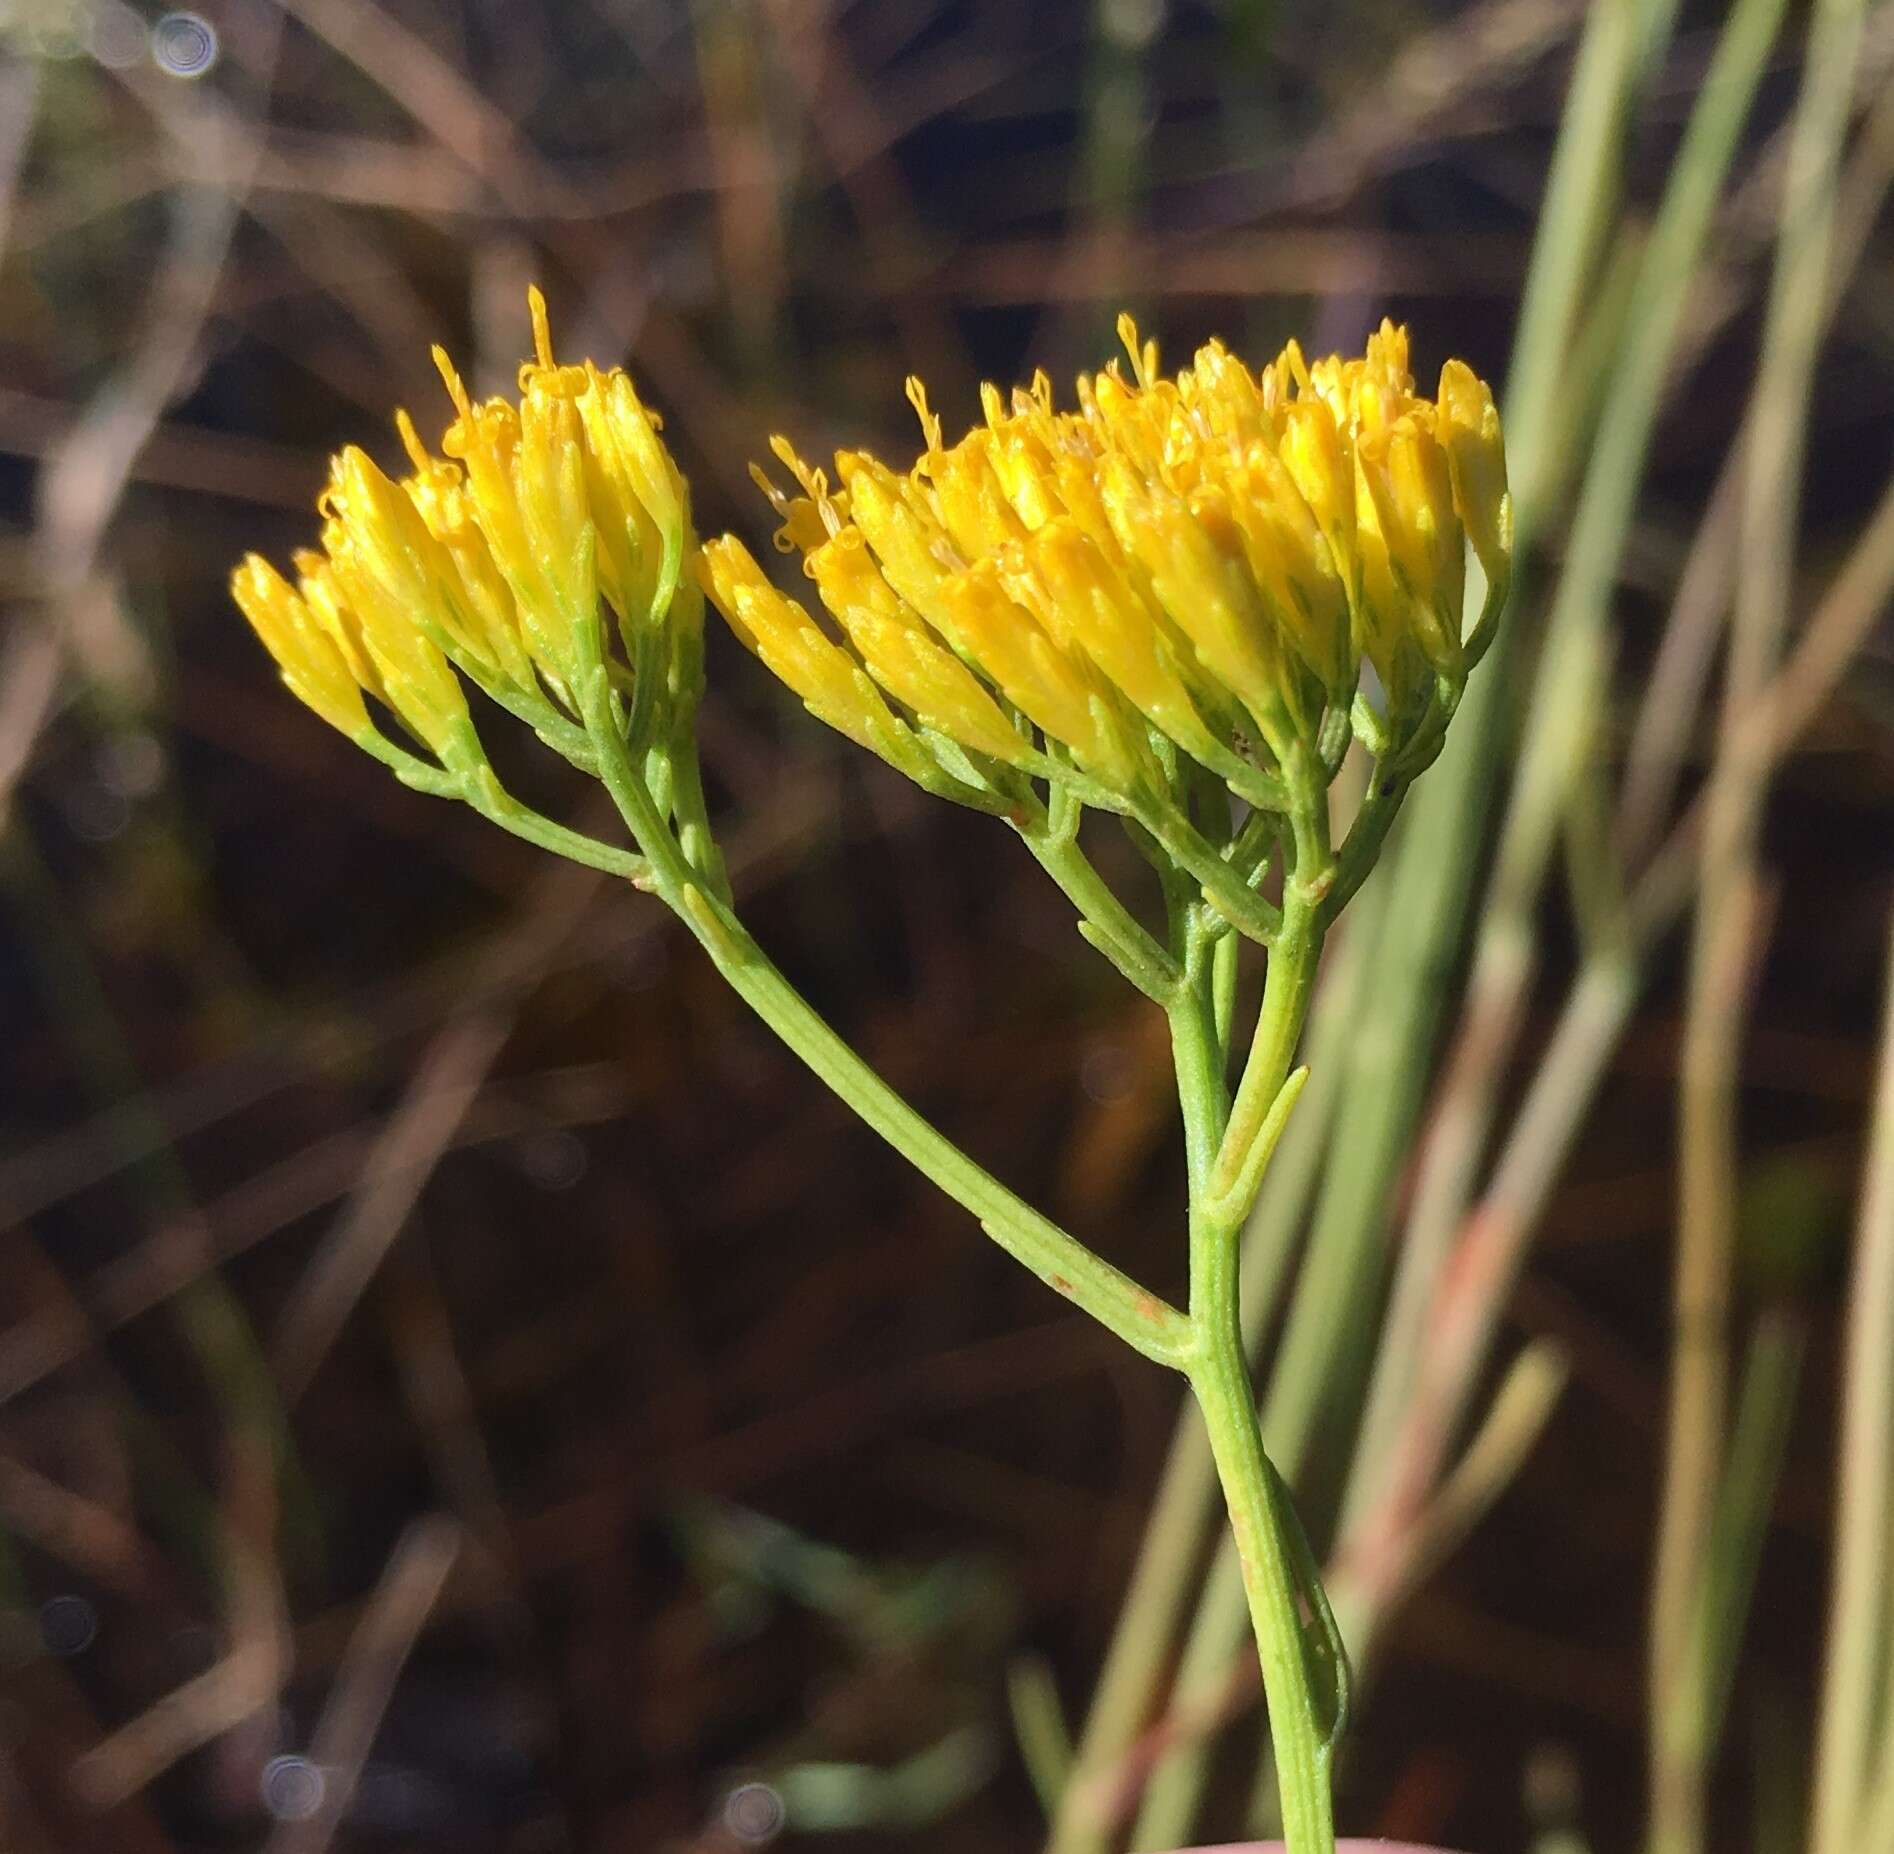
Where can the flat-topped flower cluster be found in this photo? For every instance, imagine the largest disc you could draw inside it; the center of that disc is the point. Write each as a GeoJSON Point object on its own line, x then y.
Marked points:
{"type": "Point", "coordinates": [1211, 557]}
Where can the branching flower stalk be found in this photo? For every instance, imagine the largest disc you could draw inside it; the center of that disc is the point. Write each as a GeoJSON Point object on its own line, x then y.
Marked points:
{"type": "Point", "coordinates": [1176, 604]}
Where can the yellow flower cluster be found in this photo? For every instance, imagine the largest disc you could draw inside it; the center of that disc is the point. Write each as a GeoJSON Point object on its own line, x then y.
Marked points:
{"type": "Point", "coordinates": [1209, 556]}
{"type": "Point", "coordinates": [490, 559]}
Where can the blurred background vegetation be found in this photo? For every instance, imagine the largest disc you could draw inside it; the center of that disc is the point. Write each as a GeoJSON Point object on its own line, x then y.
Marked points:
{"type": "Point", "coordinates": [462, 1386]}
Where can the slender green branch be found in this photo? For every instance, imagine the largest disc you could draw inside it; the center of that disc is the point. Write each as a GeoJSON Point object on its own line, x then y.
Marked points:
{"type": "Point", "coordinates": [694, 835]}
{"type": "Point", "coordinates": [1104, 920]}
{"type": "Point", "coordinates": [1225, 971]}
{"type": "Point", "coordinates": [471, 781]}
{"type": "Point", "coordinates": [1143, 1320]}
{"type": "Point", "coordinates": [1287, 985]}
{"type": "Point", "coordinates": [1224, 886]}
{"type": "Point", "coordinates": [1186, 1504]}
{"type": "Point", "coordinates": [1196, 1049]}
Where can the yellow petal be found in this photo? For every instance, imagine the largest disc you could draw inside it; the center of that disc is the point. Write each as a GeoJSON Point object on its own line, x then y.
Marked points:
{"type": "Point", "coordinates": [1320, 464]}
{"type": "Point", "coordinates": [481, 615]}
{"type": "Point", "coordinates": [970, 499]}
{"type": "Point", "coordinates": [915, 554]}
{"type": "Point", "coordinates": [1425, 538]}
{"type": "Point", "coordinates": [316, 582]}
{"type": "Point", "coordinates": [639, 503]}
{"type": "Point", "coordinates": [1115, 626]}
{"type": "Point", "coordinates": [1294, 570]}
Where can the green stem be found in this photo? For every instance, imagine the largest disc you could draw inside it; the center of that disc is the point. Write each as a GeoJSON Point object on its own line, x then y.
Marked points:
{"type": "Point", "coordinates": [1207, 1343]}
{"type": "Point", "coordinates": [1301, 1738]}
{"type": "Point", "coordinates": [503, 809]}
{"type": "Point", "coordinates": [1199, 1011]}
{"type": "Point", "coordinates": [1226, 1149]}
{"type": "Point", "coordinates": [1143, 1320]}
{"type": "Point", "coordinates": [1196, 1046]}
{"type": "Point", "coordinates": [1224, 886]}
{"type": "Point", "coordinates": [1104, 920]}
{"type": "Point", "coordinates": [1223, 980]}
{"type": "Point", "coordinates": [471, 780]}
{"type": "Point", "coordinates": [1165, 1576]}
{"type": "Point", "coordinates": [694, 835]}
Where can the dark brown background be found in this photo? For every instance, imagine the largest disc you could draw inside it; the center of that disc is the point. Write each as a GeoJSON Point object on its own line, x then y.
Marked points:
{"type": "Point", "coordinates": [655, 1295]}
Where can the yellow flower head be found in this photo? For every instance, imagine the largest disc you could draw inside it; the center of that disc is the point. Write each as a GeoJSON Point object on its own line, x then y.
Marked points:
{"type": "Point", "coordinates": [1207, 558]}
{"type": "Point", "coordinates": [489, 558]}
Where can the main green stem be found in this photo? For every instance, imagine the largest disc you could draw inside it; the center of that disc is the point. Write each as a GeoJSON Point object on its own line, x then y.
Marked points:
{"type": "Point", "coordinates": [1220, 1380]}
{"type": "Point", "coordinates": [1220, 1142]}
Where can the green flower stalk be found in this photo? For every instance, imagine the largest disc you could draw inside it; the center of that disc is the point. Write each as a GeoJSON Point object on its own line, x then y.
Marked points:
{"type": "Point", "coordinates": [1177, 603]}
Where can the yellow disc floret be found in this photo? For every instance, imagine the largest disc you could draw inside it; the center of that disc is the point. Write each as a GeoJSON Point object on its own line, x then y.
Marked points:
{"type": "Point", "coordinates": [313, 661]}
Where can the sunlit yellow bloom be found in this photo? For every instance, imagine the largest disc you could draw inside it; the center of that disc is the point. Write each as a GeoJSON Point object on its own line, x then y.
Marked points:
{"type": "Point", "coordinates": [1012, 643]}
{"type": "Point", "coordinates": [992, 614]}
{"type": "Point", "coordinates": [1110, 612]}
{"type": "Point", "coordinates": [1293, 565]}
{"type": "Point", "coordinates": [312, 662]}
{"type": "Point", "coordinates": [1418, 572]}
{"type": "Point", "coordinates": [1209, 556]}
{"type": "Point", "coordinates": [640, 505]}
{"type": "Point", "coordinates": [480, 613]}
{"type": "Point", "coordinates": [384, 569]}
{"type": "Point", "coordinates": [1191, 551]}
{"type": "Point", "coordinates": [1319, 460]}
{"type": "Point", "coordinates": [834, 686]}
{"type": "Point", "coordinates": [526, 476]}
{"type": "Point", "coordinates": [904, 656]}
{"type": "Point", "coordinates": [493, 552]}
{"type": "Point", "coordinates": [315, 581]}
{"type": "Point", "coordinates": [1476, 452]}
